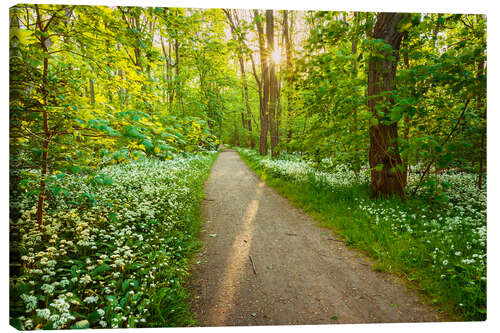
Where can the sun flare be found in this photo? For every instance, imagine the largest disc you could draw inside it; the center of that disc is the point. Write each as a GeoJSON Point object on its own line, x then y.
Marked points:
{"type": "Point", "coordinates": [276, 56]}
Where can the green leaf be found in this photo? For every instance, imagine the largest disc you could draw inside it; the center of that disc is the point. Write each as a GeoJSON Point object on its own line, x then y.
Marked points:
{"type": "Point", "coordinates": [100, 269]}
{"type": "Point", "coordinates": [81, 324]}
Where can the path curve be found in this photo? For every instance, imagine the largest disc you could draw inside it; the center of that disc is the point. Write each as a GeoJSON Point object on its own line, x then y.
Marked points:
{"type": "Point", "coordinates": [301, 273]}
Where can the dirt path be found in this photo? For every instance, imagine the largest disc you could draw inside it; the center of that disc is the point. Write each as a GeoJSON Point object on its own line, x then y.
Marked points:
{"type": "Point", "coordinates": [303, 274]}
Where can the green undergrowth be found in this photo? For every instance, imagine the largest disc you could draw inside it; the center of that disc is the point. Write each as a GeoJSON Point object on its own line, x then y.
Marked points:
{"type": "Point", "coordinates": [121, 261]}
{"type": "Point", "coordinates": [437, 250]}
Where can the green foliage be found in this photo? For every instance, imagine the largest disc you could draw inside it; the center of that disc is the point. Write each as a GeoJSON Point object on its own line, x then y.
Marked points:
{"type": "Point", "coordinates": [106, 94]}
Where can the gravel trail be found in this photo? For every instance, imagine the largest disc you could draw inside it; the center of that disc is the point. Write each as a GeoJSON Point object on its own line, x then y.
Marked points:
{"type": "Point", "coordinates": [265, 262]}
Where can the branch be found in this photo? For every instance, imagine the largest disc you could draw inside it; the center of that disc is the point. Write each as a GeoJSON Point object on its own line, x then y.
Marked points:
{"type": "Point", "coordinates": [445, 141]}
{"type": "Point", "coordinates": [78, 54]}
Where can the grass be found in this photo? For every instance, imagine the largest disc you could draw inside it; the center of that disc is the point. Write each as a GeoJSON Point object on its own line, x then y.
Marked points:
{"type": "Point", "coordinates": [396, 234]}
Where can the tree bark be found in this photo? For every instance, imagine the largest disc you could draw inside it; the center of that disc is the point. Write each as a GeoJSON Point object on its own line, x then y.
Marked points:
{"type": "Point", "coordinates": [44, 89]}
{"type": "Point", "coordinates": [288, 78]}
{"type": "Point", "coordinates": [273, 84]}
{"type": "Point", "coordinates": [354, 74]}
{"type": "Point", "coordinates": [92, 91]}
{"type": "Point", "coordinates": [482, 149]}
{"type": "Point", "coordinates": [265, 85]}
{"type": "Point", "coordinates": [388, 176]}
{"type": "Point", "coordinates": [177, 77]}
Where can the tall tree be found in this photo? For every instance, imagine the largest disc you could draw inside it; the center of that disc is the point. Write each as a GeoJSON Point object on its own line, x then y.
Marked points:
{"type": "Point", "coordinates": [388, 176]}
{"type": "Point", "coordinates": [239, 38]}
{"type": "Point", "coordinates": [264, 82]}
{"type": "Point", "coordinates": [288, 77]}
{"type": "Point", "coordinates": [273, 84]}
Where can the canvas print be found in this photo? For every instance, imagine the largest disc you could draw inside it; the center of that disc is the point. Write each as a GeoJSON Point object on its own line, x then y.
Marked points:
{"type": "Point", "coordinates": [174, 167]}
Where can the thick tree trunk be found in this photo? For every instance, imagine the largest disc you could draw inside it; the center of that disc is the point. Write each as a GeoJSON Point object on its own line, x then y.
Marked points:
{"type": "Point", "coordinates": [265, 85]}
{"type": "Point", "coordinates": [388, 176]}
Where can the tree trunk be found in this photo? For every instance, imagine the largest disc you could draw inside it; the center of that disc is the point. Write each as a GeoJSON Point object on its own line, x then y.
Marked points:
{"type": "Point", "coordinates": [45, 116]}
{"type": "Point", "coordinates": [92, 91]}
{"type": "Point", "coordinates": [248, 124]}
{"type": "Point", "coordinates": [482, 149]}
{"type": "Point", "coordinates": [259, 86]}
{"type": "Point", "coordinates": [354, 74]}
{"type": "Point", "coordinates": [265, 85]}
{"type": "Point", "coordinates": [388, 176]}
{"type": "Point", "coordinates": [288, 78]}
{"type": "Point", "coordinates": [177, 77]}
{"type": "Point", "coordinates": [273, 84]}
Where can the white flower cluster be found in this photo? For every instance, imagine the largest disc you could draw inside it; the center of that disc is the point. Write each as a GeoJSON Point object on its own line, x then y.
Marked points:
{"type": "Point", "coordinates": [293, 168]}
{"type": "Point", "coordinates": [110, 257]}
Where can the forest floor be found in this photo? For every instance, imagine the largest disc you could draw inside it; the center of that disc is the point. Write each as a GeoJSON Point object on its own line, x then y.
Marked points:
{"type": "Point", "coordinates": [265, 262]}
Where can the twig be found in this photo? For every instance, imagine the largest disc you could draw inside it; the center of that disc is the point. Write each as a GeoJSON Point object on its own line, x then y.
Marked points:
{"type": "Point", "coordinates": [290, 234]}
{"type": "Point", "coordinates": [253, 265]}
{"type": "Point", "coordinates": [445, 141]}
{"type": "Point", "coordinates": [335, 240]}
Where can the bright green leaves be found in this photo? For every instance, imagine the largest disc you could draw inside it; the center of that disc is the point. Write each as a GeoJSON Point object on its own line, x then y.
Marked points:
{"type": "Point", "coordinates": [132, 132]}
{"type": "Point", "coordinates": [102, 179]}
{"type": "Point", "coordinates": [378, 49]}
{"type": "Point", "coordinates": [22, 36]}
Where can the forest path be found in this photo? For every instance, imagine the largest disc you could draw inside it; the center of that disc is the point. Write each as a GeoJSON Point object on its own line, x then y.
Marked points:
{"type": "Point", "coordinates": [303, 274]}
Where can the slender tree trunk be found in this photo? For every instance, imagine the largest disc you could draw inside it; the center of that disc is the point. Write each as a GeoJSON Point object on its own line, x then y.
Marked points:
{"type": "Point", "coordinates": [388, 176]}
{"type": "Point", "coordinates": [92, 91]}
{"type": "Point", "coordinates": [406, 130]}
{"type": "Point", "coordinates": [259, 86]}
{"type": "Point", "coordinates": [354, 75]}
{"type": "Point", "coordinates": [45, 116]}
{"type": "Point", "coordinates": [247, 120]}
{"type": "Point", "coordinates": [177, 77]}
{"type": "Point", "coordinates": [482, 149]}
{"type": "Point", "coordinates": [288, 77]}
{"type": "Point", "coordinates": [265, 85]}
{"type": "Point", "coordinates": [243, 121]}
{"type": "Point", "coordinates": [278, 110]}
{"type": "Point", "coordinates": [167, 67]}
{"type": "Point", "coordinates": [171, 91]}
{"type": "Point", "coordinates": [245, 100]}
{"type": "Point", "coordinates": [273, 84]}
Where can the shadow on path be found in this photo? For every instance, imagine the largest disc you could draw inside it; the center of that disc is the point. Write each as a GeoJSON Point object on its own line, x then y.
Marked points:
{"type": "Point", "coordinates": [300, 274]}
